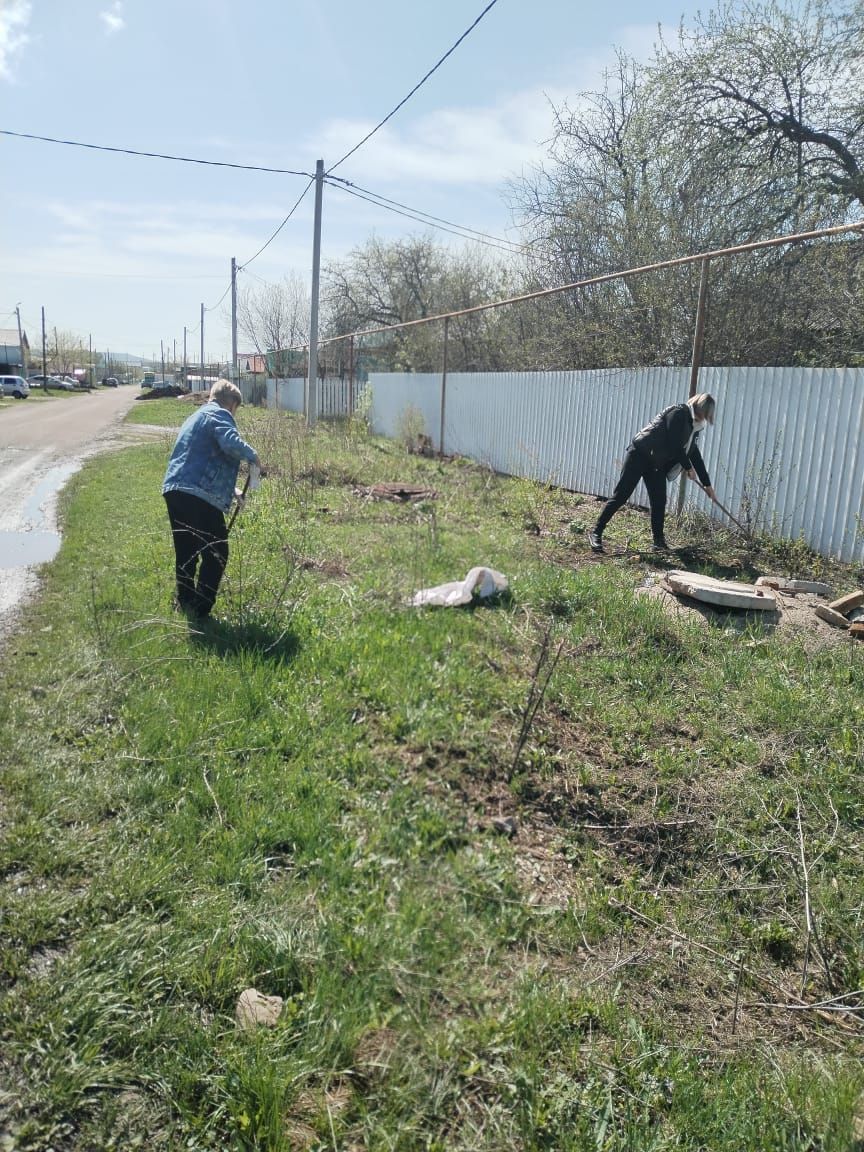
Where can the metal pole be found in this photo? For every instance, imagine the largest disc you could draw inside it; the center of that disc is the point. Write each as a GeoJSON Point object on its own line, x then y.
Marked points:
{"type": "Point", "coordinates": [312, 378]}
{"type": "Point", "coordinates": [234, 373]}
{"type": "Point", "coordinates": [351, 375]}
{"type": "Point", "coordinates": [699, 333]}
{"type": "Point", "coordinates": [90, 360]}
{"type": "Point", "coordinates": [44, 356]}
{"type": "Point", "coordinates": [185, 365]}
{"type": "Point", "coordinates": [162, 357]}
{"type": "Point", "coordinates": [443, 385]}
{"type": "Point", "coordinates": [201, 382]}
{"type": "Point", "coordinates": [21, 342]}
{"type": "Point", "coordinates": [696, 360]}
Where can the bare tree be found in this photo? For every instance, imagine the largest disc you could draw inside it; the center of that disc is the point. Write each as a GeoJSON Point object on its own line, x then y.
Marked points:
{"type": "Point", "coordinates": [67, 351]}
{"type": "Point", "coordinates": [384, 283]}
{"type": "Point", "coordinates": [275, 319]}
{"type": "Point", "coordinates": [782, 82]}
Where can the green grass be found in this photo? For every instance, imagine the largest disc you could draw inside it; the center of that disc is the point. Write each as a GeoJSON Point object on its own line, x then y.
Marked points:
{"type": "Point", "coordinates": [300, 798]}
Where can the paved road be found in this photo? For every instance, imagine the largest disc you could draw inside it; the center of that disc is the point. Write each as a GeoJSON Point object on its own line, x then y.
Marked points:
{"type": "Point", "coordinates": [42, 443]}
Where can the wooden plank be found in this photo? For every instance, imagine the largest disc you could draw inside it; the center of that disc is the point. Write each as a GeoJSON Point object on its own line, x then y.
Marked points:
{"type": "Point", "coordinates": [846, 603]}
{"type": "Point", "coordinates": [830, 616]}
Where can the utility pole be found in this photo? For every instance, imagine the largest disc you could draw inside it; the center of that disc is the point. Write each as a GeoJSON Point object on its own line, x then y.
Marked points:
{"type": "Point", "coordinates": [90, 360]}
{"type": "Point", "coordinates": [234, 372]}
{"type": "Point", "coordinates": [44, 357]}
{"type": "Point", "coordinates": [21, 343]}
{"type": "Point", "coordinates": [202, 345]}
{"type": "Point", "coordinates": [312, 380]}
{"type": "Point", "coordinates": [185, 369]}
{"type": "Point", "coordinates": [162, 357]}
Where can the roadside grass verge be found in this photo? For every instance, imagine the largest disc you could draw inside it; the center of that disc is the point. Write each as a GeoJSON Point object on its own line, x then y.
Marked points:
{"type": "Point", "coordinates": [315, 794]}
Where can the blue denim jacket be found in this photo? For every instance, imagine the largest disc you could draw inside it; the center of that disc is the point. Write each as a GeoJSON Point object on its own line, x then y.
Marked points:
{"type": "Point", "coordinates": [206, 457]}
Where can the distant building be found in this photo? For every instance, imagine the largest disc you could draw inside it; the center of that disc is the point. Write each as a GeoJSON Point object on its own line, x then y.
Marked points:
{"type": "Point", "coordinates": [13, 352]}
{"type": "Point", "coordinates": [251, 362]}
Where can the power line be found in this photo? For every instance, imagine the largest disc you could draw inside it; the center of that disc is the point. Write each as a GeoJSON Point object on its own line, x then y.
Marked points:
{"type": "Point", "coordinates": [154, 155]}
{"type": "Point", "coordinates": [135, 276]}
{"type": "Point", "coordinates": [384, 202]}
{"type": "Point", "coordinates": [281, 226]}
{"type": "Point", "coordinates": [213, 307]}
{"type": "Point", "coordinates": [417, 86]}
{"type": "Point", "coordinates": [411, 216]}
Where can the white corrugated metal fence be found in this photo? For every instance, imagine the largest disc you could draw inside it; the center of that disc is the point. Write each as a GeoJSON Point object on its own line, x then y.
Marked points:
{"type": "Point", "coordinates": [789, 440]}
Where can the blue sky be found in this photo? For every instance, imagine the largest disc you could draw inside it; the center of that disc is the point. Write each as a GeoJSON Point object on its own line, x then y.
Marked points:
{"type": "Point", "coordinates": [127, 249]}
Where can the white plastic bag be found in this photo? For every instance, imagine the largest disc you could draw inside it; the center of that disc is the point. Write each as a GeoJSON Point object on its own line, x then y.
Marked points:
{"type": "Point", "coordinates": [482, 582]}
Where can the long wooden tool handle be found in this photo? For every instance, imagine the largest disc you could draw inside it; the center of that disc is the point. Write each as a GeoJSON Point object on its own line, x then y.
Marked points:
{"type": "Point", "coordinates": [723, 508]}
{"type": "Point", "coordinates": [237, 505]}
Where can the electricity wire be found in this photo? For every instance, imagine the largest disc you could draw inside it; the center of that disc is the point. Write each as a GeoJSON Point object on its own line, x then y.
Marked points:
{"type": "Point", "coordinates": [281, 226]}
{"type": "Point", "coordinates": [213, 307]}
{"type": "Point", "coordinates": [462, 235]}
{"type": "Point", "coordinates": [416, 87]}
{"type": "Point", "coordinates": [385, 203]}
{"type": "Point", "coordinates": [154, 155]}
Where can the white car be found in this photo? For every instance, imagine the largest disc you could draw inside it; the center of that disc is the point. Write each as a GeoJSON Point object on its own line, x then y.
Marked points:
{"type": "Point", "coordinates": [15, 386]}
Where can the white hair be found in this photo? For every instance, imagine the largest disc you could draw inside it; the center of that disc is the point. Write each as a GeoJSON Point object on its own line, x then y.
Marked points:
{"type": "Point", "coordinates": [226, 394]}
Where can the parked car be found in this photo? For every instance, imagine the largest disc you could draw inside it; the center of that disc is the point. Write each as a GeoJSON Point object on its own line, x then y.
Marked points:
{"type": "Point", "coordinates": [44, 381]}
{"type": "Point", "coordinates": [15, 386]}
{"type": "Point", "coordinates": [109, 382]}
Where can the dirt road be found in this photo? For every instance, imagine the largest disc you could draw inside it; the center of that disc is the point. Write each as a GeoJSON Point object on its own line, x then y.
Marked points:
{"type": "Point", "coordinates": [42, 443]}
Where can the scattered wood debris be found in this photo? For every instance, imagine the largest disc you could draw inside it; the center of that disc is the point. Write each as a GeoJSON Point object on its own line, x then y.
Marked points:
{"type": "Point", "coordinates": [830, 616]}
{"type": "Point", "coordinates": [840, 613]}
{"type": "Point", "coordinates": [846, 603]}
{"type": "Point", "coordinates": [402, 493]}
{"type": "Point", "coordinates": [790, 587]}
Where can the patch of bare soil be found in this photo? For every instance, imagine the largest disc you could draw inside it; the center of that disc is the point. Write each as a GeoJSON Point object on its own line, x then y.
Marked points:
{"type": "Point", "coordinates": [795, 618]}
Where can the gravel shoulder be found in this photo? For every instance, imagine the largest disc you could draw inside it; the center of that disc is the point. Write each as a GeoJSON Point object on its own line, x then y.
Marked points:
{"type": "Point", "coordinates": [41, 446]}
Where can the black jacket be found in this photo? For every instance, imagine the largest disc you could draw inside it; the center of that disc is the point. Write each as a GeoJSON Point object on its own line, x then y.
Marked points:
{"type": "Point", "coordinates": [664, 441]}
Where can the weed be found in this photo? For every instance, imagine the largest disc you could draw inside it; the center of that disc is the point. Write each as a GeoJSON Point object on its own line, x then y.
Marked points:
{"type": "Point", "coordinates": [302, 797]}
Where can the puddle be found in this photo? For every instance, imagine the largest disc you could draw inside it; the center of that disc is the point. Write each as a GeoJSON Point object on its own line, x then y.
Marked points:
{"type": "Point", "coordinates": [20, 549]}
{"type": "Point", "coordinates": [48, 486]}
{"type": "Point", "coordinates": [37, 542]}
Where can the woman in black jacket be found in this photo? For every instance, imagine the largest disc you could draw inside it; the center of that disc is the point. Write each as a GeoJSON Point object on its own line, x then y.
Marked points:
{"type": "Point", "coordinates": [660, 452]}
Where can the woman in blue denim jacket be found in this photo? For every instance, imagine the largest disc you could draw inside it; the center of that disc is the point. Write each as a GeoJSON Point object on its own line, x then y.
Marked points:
{"type": "Point", "coordinates": [198, 490]}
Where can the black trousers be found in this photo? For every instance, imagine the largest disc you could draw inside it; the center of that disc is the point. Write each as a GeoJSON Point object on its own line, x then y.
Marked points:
{"type": "Point", "coordinates": [200, 550]}
{"type": "Point", "coordinates": [638, 466]}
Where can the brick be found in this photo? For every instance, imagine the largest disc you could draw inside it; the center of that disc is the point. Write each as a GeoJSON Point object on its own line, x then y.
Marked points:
{"type": "Point", "coordinates": [830, 616]}
{"type": "Point", "coordinates": [857, 630]}
{"type": "Point", "coordinates": [847, 603]}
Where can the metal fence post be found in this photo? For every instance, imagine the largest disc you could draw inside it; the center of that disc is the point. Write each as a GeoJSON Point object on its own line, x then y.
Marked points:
{"type": "Point", "coordinates": [351, 375]}
{"type": "Point", "coordinates": [443, 386]}
{"type": "Point", "coordinates": [696, 360]}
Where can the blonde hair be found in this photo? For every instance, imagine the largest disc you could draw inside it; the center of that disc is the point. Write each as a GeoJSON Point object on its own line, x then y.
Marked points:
{"type": "Point", "coordinates": [226, 394]}
{"type": "Point", "coordinates": [703, 406]}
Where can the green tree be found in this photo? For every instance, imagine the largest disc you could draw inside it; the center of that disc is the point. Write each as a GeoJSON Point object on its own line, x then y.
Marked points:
{"type": "Point", "coordinates": [660, 164]}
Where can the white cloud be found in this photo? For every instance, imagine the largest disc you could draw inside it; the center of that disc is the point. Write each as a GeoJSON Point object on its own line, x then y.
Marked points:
{"type": "Point", "coordinates": [112, 18]}
{"type": "Point", "coordinates": [14, 17]}
{"type": "Point", "coordinates": [479, 145]}
{"type": "Point", "coordinates": [482, 145]}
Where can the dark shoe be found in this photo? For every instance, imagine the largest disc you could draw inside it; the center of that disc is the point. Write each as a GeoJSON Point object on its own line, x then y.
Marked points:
{"type": "Point", "coordinates": [660, 546]}
{"type": "Point", "coordinates": [596, 542]}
